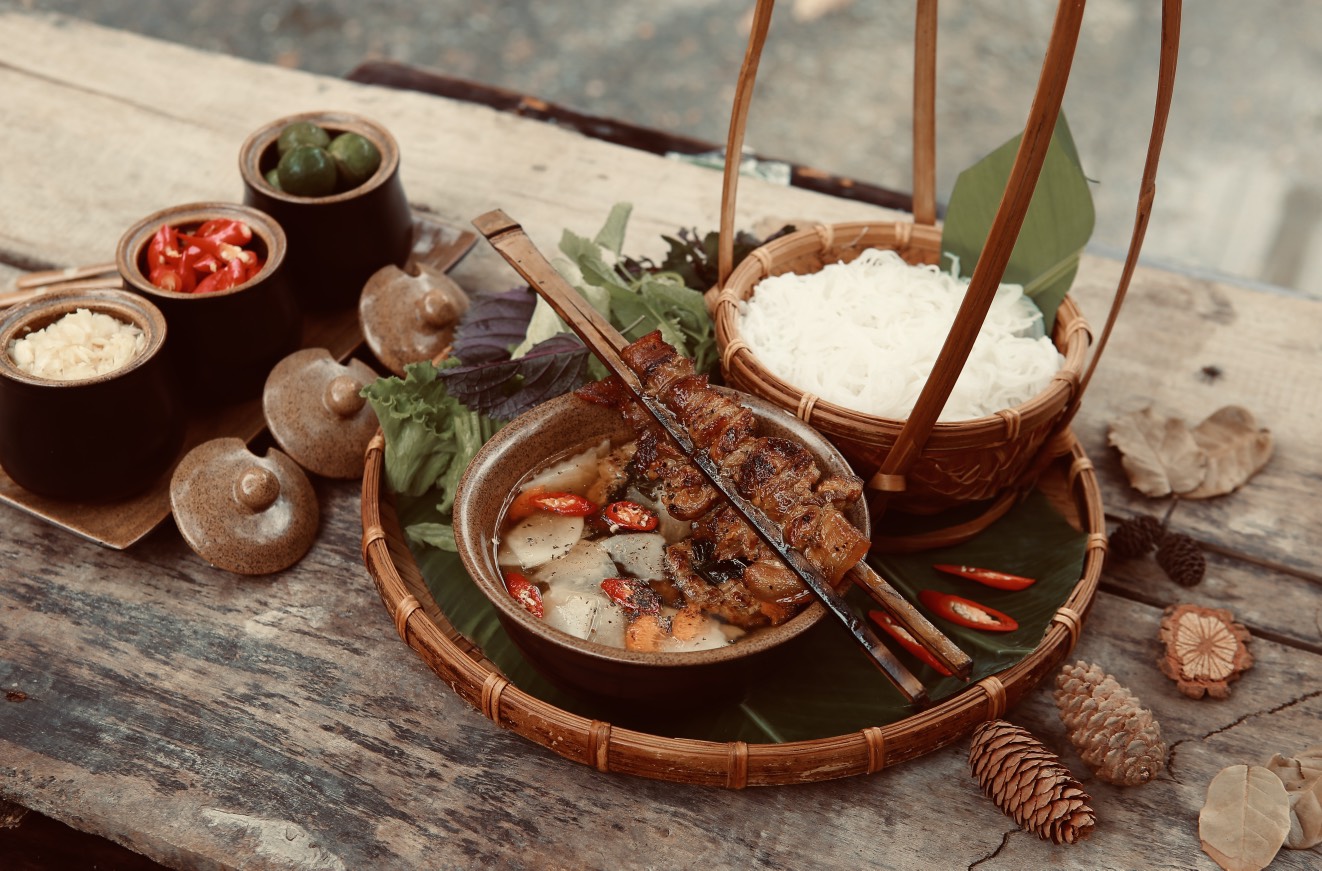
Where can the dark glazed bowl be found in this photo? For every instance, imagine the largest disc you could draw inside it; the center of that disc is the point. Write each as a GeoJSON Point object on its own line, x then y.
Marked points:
{"type": "Point", "coordinates": [336, 242]}
{"type": "Point", "coordinates": [223, 344]}
{"type": "Point", "coordinates": [96, 439]}
{"type": "Point", "coordinates": [586, 667]}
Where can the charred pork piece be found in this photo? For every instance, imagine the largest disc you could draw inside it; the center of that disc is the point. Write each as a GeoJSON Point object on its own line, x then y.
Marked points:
{"type": "Point", "coordinates": [731, 601]}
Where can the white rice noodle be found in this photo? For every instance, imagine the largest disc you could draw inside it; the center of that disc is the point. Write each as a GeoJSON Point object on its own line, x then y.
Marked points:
{"type": "Point", "coordinates": [81, 344]}
{"type": "Point", "coordinates": [865, 335]}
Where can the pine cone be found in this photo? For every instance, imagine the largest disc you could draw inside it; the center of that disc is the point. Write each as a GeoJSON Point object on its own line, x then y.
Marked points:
{"type": "Point", "coordinates": [1135, 537]}
{"type": "Point", "coordinates": [1029, 784]}
{"type": "Point", "coordinates": [1116, 736]}
{"type": "Point", "coordinates": [1181, 559]}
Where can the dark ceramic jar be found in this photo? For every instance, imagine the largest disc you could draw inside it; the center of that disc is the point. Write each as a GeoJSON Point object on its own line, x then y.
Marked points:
{"type": "Point", "coordinates": [224, 343]}
{"type": "Point", "coordinates": [95, 439]}
{"type": "Point", "coordinates": [336, 241]}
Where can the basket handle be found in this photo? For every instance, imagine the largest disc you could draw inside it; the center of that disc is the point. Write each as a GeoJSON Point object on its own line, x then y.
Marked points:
{"type": "Point", "coordinates": [995, 255]}
{"type": "Point", "coordinates": [924, 128]}
{"type": "Point", "coordinates": [1147, 191]}
{"type": "Point", "coordinates": [1170, 45]}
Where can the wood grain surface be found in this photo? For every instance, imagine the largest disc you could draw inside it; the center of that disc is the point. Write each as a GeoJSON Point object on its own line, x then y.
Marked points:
{"type": "Point", "coordinates": [213, 721]}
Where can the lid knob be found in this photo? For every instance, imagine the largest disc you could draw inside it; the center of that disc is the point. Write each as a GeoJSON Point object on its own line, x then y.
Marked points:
{"type": "Point", "coordinates": [343, 395]}
{"type": "Point", "coordinates": [437, 309]}
{"type": "Point", "coordinates": [257, 488]}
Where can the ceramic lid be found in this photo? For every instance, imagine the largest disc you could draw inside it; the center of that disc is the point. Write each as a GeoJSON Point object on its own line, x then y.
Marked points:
{"type": "Point", "coordinates": [243, 513]}
{"type": "Point", "coordinates": [314, 410]}
{"type": "Point", "coordinates": [407, 318]}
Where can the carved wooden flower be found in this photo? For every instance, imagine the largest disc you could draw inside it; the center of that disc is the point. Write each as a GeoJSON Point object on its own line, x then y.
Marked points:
{"type": "Point", "coordinates": [1205, 650]}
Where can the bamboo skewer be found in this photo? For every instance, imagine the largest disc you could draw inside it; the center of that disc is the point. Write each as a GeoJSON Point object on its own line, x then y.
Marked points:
{"type": "Point", "coordinates": [59, 276]}
{"type": "Point", "coordinates": [508, 238]}
{"type": "Point", "coordinates": [34, 290]}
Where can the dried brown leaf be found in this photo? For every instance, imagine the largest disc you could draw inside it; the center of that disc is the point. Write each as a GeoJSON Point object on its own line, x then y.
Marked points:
{"type": "Point", "coordinates": [1302, 777]}
{"type": "Point", "coordinates": [1235, 447]}
{"type": "Point", "coordinates": [1159, 454]}
{"type": "Point", "coordinates": [1245, 819]}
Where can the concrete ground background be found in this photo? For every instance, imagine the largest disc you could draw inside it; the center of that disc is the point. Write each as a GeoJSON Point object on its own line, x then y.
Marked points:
{"type": "Point", "coordinates": [1240, 187]}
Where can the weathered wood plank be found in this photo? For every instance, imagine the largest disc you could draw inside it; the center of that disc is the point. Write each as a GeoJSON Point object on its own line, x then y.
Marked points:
{"type": "Point", "coordinates": [215, 711]}
{"type": "Point", "coordinates": [212, 721]}
{"type": "Point", "coordinates": [1266, 348]}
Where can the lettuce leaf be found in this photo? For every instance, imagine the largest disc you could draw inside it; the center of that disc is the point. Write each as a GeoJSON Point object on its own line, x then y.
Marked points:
{"type": "Point", "coordinates": [430, 437]}
{"type": "Point", "coordinates": [641, 297]}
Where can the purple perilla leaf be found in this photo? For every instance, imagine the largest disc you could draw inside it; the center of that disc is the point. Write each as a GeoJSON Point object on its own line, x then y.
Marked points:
{"type": "Point", "coordinates": [493, 324]}
{"type": "Point", "coordinates": [506, 388]}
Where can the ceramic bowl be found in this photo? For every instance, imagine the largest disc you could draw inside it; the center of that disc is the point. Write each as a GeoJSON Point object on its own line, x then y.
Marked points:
{"type": "Point", "coordinates": [95, 439]}
{"type": "Point", "coordinates": [223, 343]}
{"type": "Point", "coordinates": [336, 242]}
{"type": "Point", "coordinates": [588, 668]}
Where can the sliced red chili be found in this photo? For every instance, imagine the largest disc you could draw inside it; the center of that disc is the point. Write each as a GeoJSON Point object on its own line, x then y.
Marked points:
{"type": "Point", "coordinates": [906, 640]}
{"type": "Point", "coordinates": [967, 612]}
{"type": "Point", "coordinates": [234, 274]}
{"type": "Point", "coordinates": [525, 592]}
{"type": "Point", "coordinates": [531, 501]}
{"type": "Point", "coordinates": [987, 577]}
{"type": "Point", "coordinates": [222, 251]}
{"type": "Point", "coordinates": [632, 594]}
{"type": "Point", "coordinates": [163, 247]}
{"type": "Point", "coordinates": [226, 230]}
{"type": "Point", "coordinates": [629, 515]}
{"type": "Point", "coordinates": [167, 277]}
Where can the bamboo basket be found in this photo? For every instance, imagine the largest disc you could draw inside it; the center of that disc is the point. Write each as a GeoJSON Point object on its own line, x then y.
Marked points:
{"type": "Point", "coordinates": [919, 466]}
{"type": "Point", "coordinates": [733, 764]}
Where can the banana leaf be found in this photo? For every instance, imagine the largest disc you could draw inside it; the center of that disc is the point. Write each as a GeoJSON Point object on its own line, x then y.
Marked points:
{"type": "Point", "coordinates": [820, 685]}
{"type": "Point", "coordinates": [1056, 227]}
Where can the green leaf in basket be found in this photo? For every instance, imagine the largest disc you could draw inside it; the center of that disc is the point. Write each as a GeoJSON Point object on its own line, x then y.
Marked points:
{"type": "Point", "coordinates": [1056, 227]}
{"type": "Point", "coordinates": [611, 235]}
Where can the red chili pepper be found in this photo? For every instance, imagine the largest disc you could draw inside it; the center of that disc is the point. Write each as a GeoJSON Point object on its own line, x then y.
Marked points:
{"type": "Point", "coordinates": [907, 641]}
{"type": "Point", "coordinates": [234, 274]}
{"type": "Point", "coordinates": [525, 592]}
{"type": "Point", "coordinates": [167, 276]}
{"type": "Point", "coordinates": [633, 595]}
{"type": "Point", "coordinates": [163, 247]}
{"type": "Point", "coordinates": [537, 499]}
{"type": "Point", "coordinates": [223, 251]}
{"type": "Point", "coordinates": [987, 577]}
{"type": "Point", "coordinates": [967, 612]}
{"type": "Point", "coordinates": [629, 515]}
{"type": "Point", "coordinates": [225, 230]}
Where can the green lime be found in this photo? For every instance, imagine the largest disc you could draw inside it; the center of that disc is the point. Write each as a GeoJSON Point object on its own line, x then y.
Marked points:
{"type": "Point", "coordinates": [301, 133]}
{"type": "Point", "coordinates": [356, 159]}
{"type": "Point", "coordinates": [273, 178]}
{"type": "Point", "coordinates": [307, 171]}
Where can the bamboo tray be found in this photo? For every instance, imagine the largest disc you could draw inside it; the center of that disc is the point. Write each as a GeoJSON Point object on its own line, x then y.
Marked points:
{"type": "Point", "coordinates": [120, 525]}
{"type": "Point", "coordinates": [1071, 485]}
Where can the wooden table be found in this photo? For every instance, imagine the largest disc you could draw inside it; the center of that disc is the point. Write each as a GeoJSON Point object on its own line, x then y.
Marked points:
{"type": "Point", "coordinates": [215, 721]}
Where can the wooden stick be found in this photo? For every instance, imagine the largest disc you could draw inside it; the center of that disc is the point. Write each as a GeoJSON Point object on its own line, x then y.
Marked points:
{"type": "Point", "coordinates": [508, 238]}
{"type": "Point", "coordinates": [16, 297]}
{"type": "Point", "coordinates": [59, 276]}
{"type": "Point", "coordinates": [933, 640]}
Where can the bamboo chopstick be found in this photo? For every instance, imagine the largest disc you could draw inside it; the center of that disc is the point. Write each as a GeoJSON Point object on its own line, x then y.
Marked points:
{"type": "Point", "coordinates": [40, 289]}
{"type": "Point", "coordinates": [59, 276]}
{"type": "Point", "coordinates": [508, 238]}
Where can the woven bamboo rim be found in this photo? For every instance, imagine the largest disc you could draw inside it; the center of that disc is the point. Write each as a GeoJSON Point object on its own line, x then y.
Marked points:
{"type": "Point", "coordinates": [735, 764]}
{"type": "Point", "coordinates": [919, 455]}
